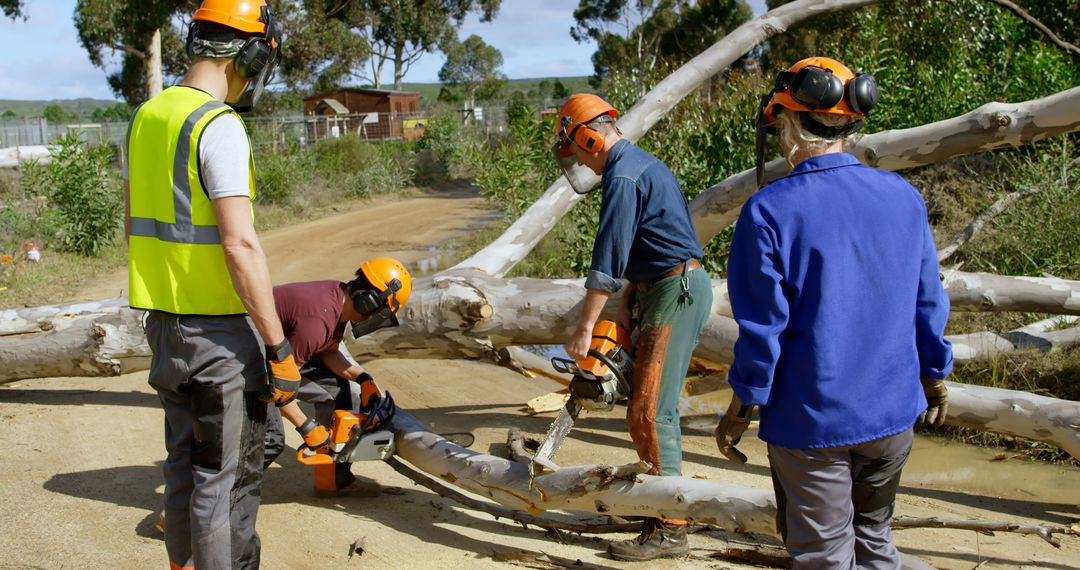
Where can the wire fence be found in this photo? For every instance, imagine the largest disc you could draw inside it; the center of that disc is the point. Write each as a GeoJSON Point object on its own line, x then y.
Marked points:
{"type": "Point", "coordinates": [267, 133]}
{"type": "Point", "coordinates": [29, 131]}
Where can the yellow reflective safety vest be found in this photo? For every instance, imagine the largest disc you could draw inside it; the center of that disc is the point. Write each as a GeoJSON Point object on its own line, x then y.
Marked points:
{"type": "Point", "coordinates": [175, 259]}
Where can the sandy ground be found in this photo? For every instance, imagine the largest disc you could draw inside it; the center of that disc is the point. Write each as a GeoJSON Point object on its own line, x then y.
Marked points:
{"type": "Point", "coordinates": [81, 483]}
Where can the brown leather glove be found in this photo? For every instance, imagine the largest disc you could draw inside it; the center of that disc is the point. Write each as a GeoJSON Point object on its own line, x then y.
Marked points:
{"type": "Point", "coordinates": [284, 375]}
{"type": "Point", "coordinates": [315, 436]}
{"type": "Point", "coordinates": [937, 402]}
{"type": "Point", "coordinates": [730, 429]}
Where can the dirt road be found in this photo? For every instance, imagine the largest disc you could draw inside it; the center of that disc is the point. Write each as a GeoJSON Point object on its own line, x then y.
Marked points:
{"type": "Point", "coordinates": [80, 479]}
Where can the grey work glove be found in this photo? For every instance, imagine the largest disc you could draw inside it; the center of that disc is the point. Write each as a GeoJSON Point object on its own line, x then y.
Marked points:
{"type": "Point", "coordinates": [937, 399]}
{"type": "Point", "coordinates": [730, 429]}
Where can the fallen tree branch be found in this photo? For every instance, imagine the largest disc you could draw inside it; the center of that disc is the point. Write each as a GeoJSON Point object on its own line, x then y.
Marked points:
{"type": "Point", "coordinates": [515, 446]}
{"type": "Point", "coordinates": [991, 126]}
{"type": "Point", "coordinates": [1034, 22]}
{"type": "Point", "coordinates": [977, 224]}
{"type": "Point", "coordinates": [1045, 532]}
{"type": "Point", "coordinates": [521, 237]}
{"type": "Point", "coordinates": [498, 511]}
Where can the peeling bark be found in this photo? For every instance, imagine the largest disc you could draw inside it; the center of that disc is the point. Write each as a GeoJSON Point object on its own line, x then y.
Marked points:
{"type": "Point", "coordinates": [1021, 414]}
{"type": "Point", "coordinates": [994, 125]}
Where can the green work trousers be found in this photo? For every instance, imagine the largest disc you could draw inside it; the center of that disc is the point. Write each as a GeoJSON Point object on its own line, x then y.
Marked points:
{"type": "Point", "coordinates": [671, 314]}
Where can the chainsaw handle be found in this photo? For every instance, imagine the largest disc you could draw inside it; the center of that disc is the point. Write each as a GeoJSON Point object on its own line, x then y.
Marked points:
{"type": "Point", "coordinates": [565, 365]}
{"type": "Point", "coordinates": [607, 362]}
{"type": "Point", "coordinates": [314, 458]}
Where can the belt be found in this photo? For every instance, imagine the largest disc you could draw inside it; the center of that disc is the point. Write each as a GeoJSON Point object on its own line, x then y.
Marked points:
{"type": "Point", "coordinates": [687, 265]}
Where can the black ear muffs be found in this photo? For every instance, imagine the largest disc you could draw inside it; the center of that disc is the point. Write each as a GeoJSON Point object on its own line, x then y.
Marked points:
{"type": "Point", "coordinates": [817, 88]}
{"type": "Point", "coordinates": [189, 44]}
{"type": "Point", "coordinates": [253, 57]}
{"type": "Point", "coordinates": [862, 93]}
{"type": "Point", "coordinates": [368, 302]}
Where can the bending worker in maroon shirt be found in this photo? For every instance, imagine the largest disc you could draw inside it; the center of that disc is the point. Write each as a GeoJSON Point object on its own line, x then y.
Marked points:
{"type": "Point", "coordinates": [313, 316]}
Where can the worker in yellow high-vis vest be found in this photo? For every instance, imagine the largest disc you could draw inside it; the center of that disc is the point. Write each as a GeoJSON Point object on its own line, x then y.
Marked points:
{"type": "Point", "coordinates": [197, 267]}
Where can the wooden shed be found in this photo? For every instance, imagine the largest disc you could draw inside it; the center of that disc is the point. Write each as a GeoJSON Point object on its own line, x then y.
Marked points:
{"type": "Point", "coordinates": [371, 113]}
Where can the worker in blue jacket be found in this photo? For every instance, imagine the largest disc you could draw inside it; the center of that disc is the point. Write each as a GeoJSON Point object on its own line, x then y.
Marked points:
{"type": "Point", "coordinates": [834, 283]}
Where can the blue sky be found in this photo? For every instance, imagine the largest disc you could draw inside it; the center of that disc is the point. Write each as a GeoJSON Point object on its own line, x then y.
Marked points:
{"type": "Point", "coordinates": [42, 58]}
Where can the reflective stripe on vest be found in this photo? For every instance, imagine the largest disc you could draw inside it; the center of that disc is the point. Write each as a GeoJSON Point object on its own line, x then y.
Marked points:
{"type": "Point", "coordinates": [176, 262]}
{"type": "Point", "coordinates": [182, 231]}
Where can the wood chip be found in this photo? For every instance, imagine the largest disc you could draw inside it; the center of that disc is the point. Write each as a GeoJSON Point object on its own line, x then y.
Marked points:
{"type": "Point", "coordinates": [552, 402]}
{"type": "Point", "coordinates": [527, 559]}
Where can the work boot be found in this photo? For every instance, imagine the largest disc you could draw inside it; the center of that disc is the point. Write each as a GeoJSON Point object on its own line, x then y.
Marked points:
{"type": "Point", "coordinates": [657, 540]}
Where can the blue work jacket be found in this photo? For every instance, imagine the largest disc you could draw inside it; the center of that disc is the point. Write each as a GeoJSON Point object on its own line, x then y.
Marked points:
{"type": "Point", "coordinates": [834, 282]}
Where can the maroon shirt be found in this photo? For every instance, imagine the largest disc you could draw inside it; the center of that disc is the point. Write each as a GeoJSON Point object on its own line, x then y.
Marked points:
{"type": "Point", "coordinates": [310, 315]}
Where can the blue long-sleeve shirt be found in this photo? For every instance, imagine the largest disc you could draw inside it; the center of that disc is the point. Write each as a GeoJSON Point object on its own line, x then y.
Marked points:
{"type": "Point", "coordinates": [834, 282]}
{"type": "Point", "coordinates": [645, 228]}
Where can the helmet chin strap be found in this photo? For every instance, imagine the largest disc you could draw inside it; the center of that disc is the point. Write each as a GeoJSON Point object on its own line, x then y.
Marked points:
{"type": "Point", "coordinates": [759, 140]}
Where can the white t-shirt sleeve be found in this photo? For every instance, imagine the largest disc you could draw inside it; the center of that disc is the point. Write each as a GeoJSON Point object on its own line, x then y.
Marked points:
{"type": "Point", "coordinates": [225, 155]}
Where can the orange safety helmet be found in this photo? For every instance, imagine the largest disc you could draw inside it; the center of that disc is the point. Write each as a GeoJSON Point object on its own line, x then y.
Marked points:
{"type": "Point", "coordinates": [382, 286]}
{"type": "Point", "coordinates": [817, 85]}
{"type": "Point", "coordinates": [244, 15]}
{"type": "Point", "coordinates": [821, 85]}
{"type": "Point", "coordinates": [580, 109]}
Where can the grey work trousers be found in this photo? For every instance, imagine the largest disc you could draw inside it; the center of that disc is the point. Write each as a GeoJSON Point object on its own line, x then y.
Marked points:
{"type": "Point", "coordinates": [207, 372]}
{"type": "Point", "coordinates": [834, 505]}
{"type": "Point", "coordinates": [326, 392]}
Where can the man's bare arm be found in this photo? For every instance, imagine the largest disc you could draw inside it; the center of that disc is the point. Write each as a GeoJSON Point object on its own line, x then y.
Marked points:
{"type": "Point", "coordinates": [247, 265]}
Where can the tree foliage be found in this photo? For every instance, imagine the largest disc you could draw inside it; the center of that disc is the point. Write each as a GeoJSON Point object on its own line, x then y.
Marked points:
{"type": "Point", "coordinates": [935, 59]}
{"type": "Point", "coordinates": [636, 35]}
{"type": "Point", "coordinates": [126, 28]}
{"type": "Point", "coordinates": [473, 66]}
{"type": "Point", "coordinates": [401, 31]}
{"type": "Point", "coordinates": [320, 52]}
{"type": "Point", "coordinates": [12, 8]}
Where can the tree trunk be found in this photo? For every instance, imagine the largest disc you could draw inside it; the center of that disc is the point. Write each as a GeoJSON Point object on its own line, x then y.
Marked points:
{"type": "Point", "coordinates": [1010, 412]}
{"type": "Point", "coordinates": [399, 64]}
{"type": "Point", "coordinates": [522, 236]}
{"type": "Point", "coordinates": [994, 125]}
{"type": "Point", "coordinates": [602, 489]}
{"type": "Point", "coordinates": [152, 65]}
{"type": "Point", "coordinates": [984, 292]}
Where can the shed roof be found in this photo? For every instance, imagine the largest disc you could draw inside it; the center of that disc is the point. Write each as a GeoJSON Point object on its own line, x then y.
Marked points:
{"type": "Point", "coordinates": [334, 104]}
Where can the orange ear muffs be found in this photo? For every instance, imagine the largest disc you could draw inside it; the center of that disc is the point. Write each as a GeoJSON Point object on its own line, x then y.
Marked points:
{"type": "Point", "coordinates": [580, 134]}
{"type": "Point", "coordinates": [589, 140]}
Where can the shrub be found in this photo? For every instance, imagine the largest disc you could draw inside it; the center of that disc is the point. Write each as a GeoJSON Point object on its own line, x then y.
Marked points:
{"type": "Point", "coordinates": [83, 205]}
{"type": "Point", "coordinates": [277, 176]}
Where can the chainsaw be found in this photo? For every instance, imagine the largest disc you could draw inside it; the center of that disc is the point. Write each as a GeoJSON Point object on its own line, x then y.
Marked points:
{"type": "Point", "coordinates": [355, 436]}
{"type": "Point", "coordinates": [362, 436]}
{"type": "Point", "coordinates": [600, 380]}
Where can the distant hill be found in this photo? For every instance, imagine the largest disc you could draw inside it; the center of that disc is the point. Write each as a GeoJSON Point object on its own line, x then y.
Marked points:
{"type": "Point", "coordinates": [83, 106]}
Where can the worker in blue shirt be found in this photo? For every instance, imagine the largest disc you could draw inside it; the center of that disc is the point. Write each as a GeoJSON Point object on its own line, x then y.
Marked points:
{"type": "Point", "coordinates": [646, 236]}
{"type": "Point", "coordinates": [834, 282]}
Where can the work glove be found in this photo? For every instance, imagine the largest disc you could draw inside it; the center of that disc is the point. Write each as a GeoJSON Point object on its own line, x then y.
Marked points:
{"type": "Point", "coordinates": [730, 429]}
{"type": "Point", "coordinates": [937, 402]}
{"type": "Point", "coordinates": [283, 374]}
{"type": "Point", "coordinates": [315, 436]}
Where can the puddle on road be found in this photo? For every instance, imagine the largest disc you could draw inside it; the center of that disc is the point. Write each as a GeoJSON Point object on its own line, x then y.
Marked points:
{"type": "Point", "coordinates": [942, 464]}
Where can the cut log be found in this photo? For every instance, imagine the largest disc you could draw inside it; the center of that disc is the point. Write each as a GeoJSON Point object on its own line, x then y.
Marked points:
{"type": "Point", "coordinates": [994, 125]}
{"type": "Point", "coordinates": [521, 237]}
{"type": "Point", "coordinates": [601, 489]}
